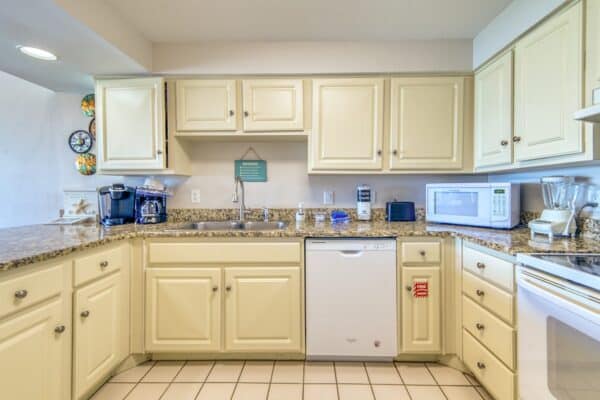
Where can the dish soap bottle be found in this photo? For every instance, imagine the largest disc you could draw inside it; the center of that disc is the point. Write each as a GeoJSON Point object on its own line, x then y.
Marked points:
{"type": "Point", "coordinates": [363, 202]}
{"type": "Point", "coordinates": [300, 216]}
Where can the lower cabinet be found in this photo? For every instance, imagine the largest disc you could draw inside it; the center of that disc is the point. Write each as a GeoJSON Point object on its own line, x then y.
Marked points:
{"type": "Point", "coordinates": [101, 331]}
{"type": "Point", "coordinates": [183, 309]}
{"type": "Point", "coordinates": [262, 309]}
{"type": "Point", "coordinates": [32, 354]}
{"type": "Point", "coordinates": [421, 310]}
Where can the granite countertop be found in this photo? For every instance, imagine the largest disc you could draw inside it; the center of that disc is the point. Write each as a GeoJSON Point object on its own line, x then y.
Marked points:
{"type": "Point", "coordinates": [29, 244]}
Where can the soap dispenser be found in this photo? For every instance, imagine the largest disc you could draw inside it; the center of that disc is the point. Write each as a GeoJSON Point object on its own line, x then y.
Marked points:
{"type": "Point", "coordinates": [300, 216]}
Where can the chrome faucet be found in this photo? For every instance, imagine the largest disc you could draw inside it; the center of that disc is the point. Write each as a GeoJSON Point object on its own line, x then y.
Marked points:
{"type": "Point", "coordinates": [239, 183]}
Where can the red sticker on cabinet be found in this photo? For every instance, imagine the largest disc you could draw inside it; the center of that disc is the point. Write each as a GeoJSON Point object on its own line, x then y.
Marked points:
{"type": "Point", "coordinates": [421, 289]}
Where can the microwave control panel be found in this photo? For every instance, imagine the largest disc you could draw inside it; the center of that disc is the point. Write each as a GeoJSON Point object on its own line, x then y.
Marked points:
{"type": "Point", "coordinates": [499, 203]}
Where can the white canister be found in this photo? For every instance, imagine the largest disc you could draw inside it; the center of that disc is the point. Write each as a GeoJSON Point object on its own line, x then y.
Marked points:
{"type": "Point", "coordinates": [363, 202]}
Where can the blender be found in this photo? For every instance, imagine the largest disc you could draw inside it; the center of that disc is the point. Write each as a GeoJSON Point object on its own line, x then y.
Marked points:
{"type": "Point", "coordinates": [561, 195]}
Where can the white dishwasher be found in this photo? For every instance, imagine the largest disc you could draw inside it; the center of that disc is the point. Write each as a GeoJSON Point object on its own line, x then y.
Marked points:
{"type": "Point", "coordinates": [351, 299]}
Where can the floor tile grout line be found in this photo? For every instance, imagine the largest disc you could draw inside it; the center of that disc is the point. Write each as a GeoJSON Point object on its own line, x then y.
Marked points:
{"type": "Point", "coordinates": [173, 379]}
{"type": "Point", "coordinates": [238, 380]}
{"type": "Point", "coordinates": [436, 381]}
{"type": "Point", "coordinates": [140, 380]}
{"type": "Point", "coordinates": [364, 365]}
{"type": "Point", "coordinates": [399, 374]}
{"type": "Point", "coordinates": [303, 375]}
{"type": "Point", "coordinates": [271, 379]}
{"type": "Point", "coordinates": [205, 379]}
{"type": "Point", "coordinates": [337, 387]}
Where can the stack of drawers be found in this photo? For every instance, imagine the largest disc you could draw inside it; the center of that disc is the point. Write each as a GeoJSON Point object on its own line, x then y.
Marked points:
{"type": "Point", "coordinates": [489, 335]}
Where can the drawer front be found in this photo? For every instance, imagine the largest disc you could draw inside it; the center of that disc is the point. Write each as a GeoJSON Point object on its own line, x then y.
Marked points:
{"type": "Point", "coordinates": [492, 269]}
{"type": "Point", "coordinates": [497, 336]}
{"type": "Point", "coordinates": [489, 296]}
{"type": "Point", "coordinates": [25, 290]}
{"type": "Point", "coordinates": [421, 252]}
{"type": "Point", "coordinates": [99, 264]}
{"type": "Point", "coordinates": [224, 253]}
{"type": "Point", "coordinates": [488, 370]}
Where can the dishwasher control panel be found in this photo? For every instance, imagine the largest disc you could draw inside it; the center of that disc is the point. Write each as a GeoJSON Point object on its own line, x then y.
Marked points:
{"type": "Point", "coordinates": [351, 244]}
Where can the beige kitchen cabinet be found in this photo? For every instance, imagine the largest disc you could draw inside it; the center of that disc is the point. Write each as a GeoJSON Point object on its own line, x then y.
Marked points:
{"type": "Point", "coordinates": [426, 127]}
{"type": "Point", "coordinates": [33, 353]}
{"type": "Point", "coordinates": [592, 53]}
{"type": "Point", "coordinates": [347, 126]}
{"type": "Point", "coordinates": [494, 113]}
{"type": "Point", "coordinates": [273, 105]}
{"type": "Point", "coordinates": [263, 309]}
{"type": "Point", "coordinates": [101, 331]}
{"type": "Point", "coordinates": [206, 105]}
{"type": "Point", "coordinates": [548, 88]}
{"type": "Point", "coordinates": [421, 316]}
{"type": "Point", "coordinates": [130, 120]}
{"type": "Point", "coordinates": [183, 309]}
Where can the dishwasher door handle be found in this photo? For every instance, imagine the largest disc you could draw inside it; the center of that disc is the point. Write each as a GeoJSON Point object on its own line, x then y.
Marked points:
{"type": "Point", "coordinates": [351, 253]}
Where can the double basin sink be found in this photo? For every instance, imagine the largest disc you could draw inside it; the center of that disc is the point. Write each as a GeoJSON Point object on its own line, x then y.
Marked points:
{"type": "Point", "coordinates": [236, 225]}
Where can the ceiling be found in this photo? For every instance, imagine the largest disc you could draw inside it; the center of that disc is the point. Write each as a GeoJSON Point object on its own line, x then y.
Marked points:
{"type": "Point", "coordinates": [176, 21]}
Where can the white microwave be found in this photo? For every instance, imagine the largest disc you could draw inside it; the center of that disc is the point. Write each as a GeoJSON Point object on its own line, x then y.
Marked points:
{"type": "Point", "coordinates": [491, 205]}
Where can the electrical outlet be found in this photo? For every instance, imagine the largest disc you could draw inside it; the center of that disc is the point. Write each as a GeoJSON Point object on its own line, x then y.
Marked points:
{"type": "Point", "coordinates": [196, 196]}
{"type": "Point", "coordinates": [328, 197]}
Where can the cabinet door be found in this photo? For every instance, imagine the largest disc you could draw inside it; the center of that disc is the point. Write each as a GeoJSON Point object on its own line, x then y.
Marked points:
{"type": "Point", "coordinates": [592, 38]}
{"type": "Point", "coordinates": [548, 88]}
{"type": "Point", "coordinates": [183, 309]}
{"type": "Point", "coordinates": [131, 124]}
{"type": "Point", "coordinates": [273, 105]}
{"type": "Point", "coordinates": [32, 354]}
{"type": "Point", "coordinates": [426, 123]}
{"type": "Point", "coordinates": [206, 105]}
{"type": "Point", "coordinates": [101, 338]}
{"type": "Point", "coordinates": [263, 309]}
{"type": "Point", "coordinates": [494, 113]}
{"type": "Point", "coordinates": [421, 316]}
{"type": "Point", "coordinates": [347, 124]}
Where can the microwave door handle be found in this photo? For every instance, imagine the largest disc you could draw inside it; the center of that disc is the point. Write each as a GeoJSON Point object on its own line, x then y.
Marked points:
{"type": "Point", "coordinates": [586, 306]}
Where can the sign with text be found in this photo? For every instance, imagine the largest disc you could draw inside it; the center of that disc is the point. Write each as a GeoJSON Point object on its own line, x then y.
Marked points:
{"type": "Point", "coordinates": [251, 170]}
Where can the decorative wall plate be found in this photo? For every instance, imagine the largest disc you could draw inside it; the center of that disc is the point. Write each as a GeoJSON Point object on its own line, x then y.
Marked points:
{"type": "Point", "coordinates": [92, 128]}
{"type": "Point", "coordinates": [86, 164]}
{"type": "Point", "coordinates": [88, 105]}
{"type": "Point", "coordinates": [81, 141]}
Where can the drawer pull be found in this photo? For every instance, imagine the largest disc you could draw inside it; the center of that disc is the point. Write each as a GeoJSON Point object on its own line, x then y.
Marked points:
{"type": "Point", "coordinates": [422, 253]}
{"type": "Point", "coordinates": [228, 288]}
{"type": "Point", "coordinates": [480, 265]}
{"type": "Point", "coordinates": [480, 365]}
{"type": "Point", "coordinates": [60, 329]}
{"type": "Point", "coordinates": [104, 264]}
{"type": "Point", "coordinates": [215, 288]}
{"type": "Point", "coordinates": [479, 326]}
{"type": "Point", "coordinates": [408, 288]}
{"type": "Point", "coordinates": [480, 292]}
{"type": "Point", "coordinates": [21, 294]}
{"type": "Point", "coordinates": [85, 314]}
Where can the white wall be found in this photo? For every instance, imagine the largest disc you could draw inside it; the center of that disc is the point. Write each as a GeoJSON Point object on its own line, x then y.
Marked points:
{"type": "Point", "coordinates": [312, 57]}
{"type": "Point", "coordinates": [516, 18]}
{"type": "Point", "coordinates": [288, 182]}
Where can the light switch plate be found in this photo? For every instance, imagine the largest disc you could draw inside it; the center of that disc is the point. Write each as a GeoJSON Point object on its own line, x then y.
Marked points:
{"type": "Point", "coordinates": [196, 196]}
{"type": "Point", "coordinates": [328, 197]}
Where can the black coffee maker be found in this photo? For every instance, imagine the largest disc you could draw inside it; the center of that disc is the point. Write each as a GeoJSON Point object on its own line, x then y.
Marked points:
{"type": "Point", "coordinates": [150, 205]}
{"type": "Point", "coordinates": [116, 204]}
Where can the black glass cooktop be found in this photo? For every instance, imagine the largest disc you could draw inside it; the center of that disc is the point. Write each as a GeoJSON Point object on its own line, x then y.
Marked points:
{"type": "Point", "coordinates": [588, 263]}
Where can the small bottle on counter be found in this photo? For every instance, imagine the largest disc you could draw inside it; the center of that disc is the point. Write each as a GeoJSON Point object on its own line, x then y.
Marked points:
{"type": "Point", "coordinates": [300, 216]}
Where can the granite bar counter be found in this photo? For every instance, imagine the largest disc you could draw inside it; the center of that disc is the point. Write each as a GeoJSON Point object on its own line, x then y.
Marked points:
{"type": "Point", "coordinates": [29, 244]}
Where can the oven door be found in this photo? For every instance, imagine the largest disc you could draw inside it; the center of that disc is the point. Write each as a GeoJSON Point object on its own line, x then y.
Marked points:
{"type": "Point", "coordinates": [464, 206]}
{"type": "Point", "coordinates": [558, 339]}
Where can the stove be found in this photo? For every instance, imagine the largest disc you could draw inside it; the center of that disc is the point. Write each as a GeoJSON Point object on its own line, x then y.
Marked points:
{"type": "Point", "coordinates": [583, 269]}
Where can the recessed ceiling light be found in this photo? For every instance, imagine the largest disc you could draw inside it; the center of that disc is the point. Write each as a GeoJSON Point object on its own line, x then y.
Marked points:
{"type": "Point", "coordinates": [37, 53]}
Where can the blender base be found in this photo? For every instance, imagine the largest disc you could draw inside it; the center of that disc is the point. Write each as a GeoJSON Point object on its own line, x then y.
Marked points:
{"type": "Point", "coordinates": [554, 223]}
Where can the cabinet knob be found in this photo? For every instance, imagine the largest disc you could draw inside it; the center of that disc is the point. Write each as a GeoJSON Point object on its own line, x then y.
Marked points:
{"type": "Point", "coordinates": [85, 314]}
{"type": "Point", "coordinates": [480, 365]}
{"type": "Point", "coordinates": [480, 265]}
{"type": "Point", "coordinates": [231, 113]}
{"type": "Point", "coordinates": [516, 139]}
{"type": "Point", "coordinates": [479, 326]}
{"type": "Point", "coordinates": [215, 288]}
{"type": "Point", "coordinates": [228, 288]}
{"type": "Point", "coordinates": [246, 113]}
{"type": "Point", "coordinates": [104, 264]}
{"type": "Point", "coordinates": [21, 294]}
{"type": "Point", "coordinates": [422, 253]}
{"type": "Point", "coordinates": [504, 143]}
{"type": "Point", "coordinates": [479, 292]}
{"type": "Point", "coordinates": [379, 152]}
{"type": "Point", "coordinates": [395, 152]}
{"type": "Point", "coordinates": [159, 152]}
{"type": "Point", "coordinates": [408, 288]}
{"type": "Point", "coordinates": [60, 329]}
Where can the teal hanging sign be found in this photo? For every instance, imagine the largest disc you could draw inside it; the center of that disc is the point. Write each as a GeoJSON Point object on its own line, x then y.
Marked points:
{"type": "Point", "coordinates": [251, 170]}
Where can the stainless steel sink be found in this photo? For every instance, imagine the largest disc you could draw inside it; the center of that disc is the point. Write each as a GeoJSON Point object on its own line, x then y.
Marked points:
{"type": "Point", "coordinates": [235, 225]}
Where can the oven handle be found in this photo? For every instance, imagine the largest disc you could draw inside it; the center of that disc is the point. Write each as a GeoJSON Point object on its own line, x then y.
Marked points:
{"type": "Point", "coordinates": [562, 294]}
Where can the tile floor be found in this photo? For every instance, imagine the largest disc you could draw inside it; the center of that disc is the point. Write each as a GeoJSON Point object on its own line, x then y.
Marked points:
{"type": "Point", "coordinates": [290, 380]}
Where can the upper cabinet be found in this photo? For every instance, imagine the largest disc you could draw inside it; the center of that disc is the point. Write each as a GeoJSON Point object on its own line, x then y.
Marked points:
{"type": "Point", "coordinates": [548, 88]}
{"type": "Point", "coordinates": [424, 112]}
{"type": "Point", "coordinates": [273, 105]}
{"type": "Point", "coordinates": [206, 105]}
{"type": "Point", "coordinates": [131, 124]}
{"type": "Point", "coordinates": [592, 66]}
{"type": "Point", "coordinates": [494, 112]}
{"type": "Point", "coordinates": [347, 124]}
